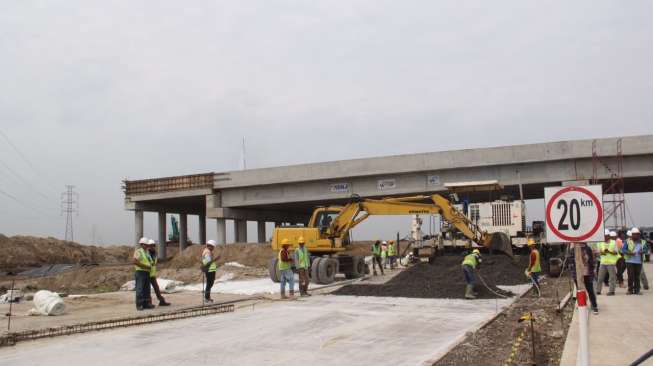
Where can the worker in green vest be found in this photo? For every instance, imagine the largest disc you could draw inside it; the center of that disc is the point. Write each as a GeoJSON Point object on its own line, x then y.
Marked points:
{"type": "Point", "coordinates": [285, 263]}
{"type": "Point", "coordinates": [469, 265]}
{"type": "Point", "coordinates": [142, 266]}
{"type": "Point", "coordinates": [376, 257]}
{"type": "Point", "coordinates": [534, 269]}
{"type": "Point", "coordinates": [609, 256]}
{"type": "Point", "coordinates": [209, 268]}
{"type": "Point", "coordinates": [392, 253]}
{"type": "Point", "coordinates": [151, 248]}
{"type": "Point", "coordinates": [303, 263]}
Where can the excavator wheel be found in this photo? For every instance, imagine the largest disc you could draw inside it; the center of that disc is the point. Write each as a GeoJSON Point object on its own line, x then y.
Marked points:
{"type": "Point", "coordinates": [273, 270]}
{"type": "Point", "coordinates": [315, 265]}
{"type": "Point", "coordinates": [501, 243]}
{"type": "Point", "coordinates": [327, 269]}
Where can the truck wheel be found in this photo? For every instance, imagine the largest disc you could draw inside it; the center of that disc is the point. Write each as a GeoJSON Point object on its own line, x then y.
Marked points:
{"type": "Point", "coordinates": [327, 269]}
{"type": "Point", "coordinates": [315, 275]}
{"type": "Point", "coordinates": [359, 266]}
{"type": "Point", "coordinates": [273, 270]}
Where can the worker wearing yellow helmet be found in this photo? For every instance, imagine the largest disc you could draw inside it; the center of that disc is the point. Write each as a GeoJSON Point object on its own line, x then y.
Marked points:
{"type": "Point", "coordinates": [469, 265]}
{"type": "Point", "coordinates": [303, 263]}
{"type": "Point", "coordinates": [534, 267]}
{"type": "Point", "coordinates": [285, 264]}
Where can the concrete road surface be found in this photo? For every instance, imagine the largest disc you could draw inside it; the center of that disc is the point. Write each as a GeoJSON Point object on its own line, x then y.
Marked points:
{"type": "Point", "coordinates": [321, 330]}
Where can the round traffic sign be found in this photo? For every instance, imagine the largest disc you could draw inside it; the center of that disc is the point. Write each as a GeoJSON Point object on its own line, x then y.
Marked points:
{"type": "Point", "coordinates": [574, 214]}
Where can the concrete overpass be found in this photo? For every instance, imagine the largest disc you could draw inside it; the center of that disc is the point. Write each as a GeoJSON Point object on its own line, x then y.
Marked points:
{"type": "Point", "coordinates": [289, 194]}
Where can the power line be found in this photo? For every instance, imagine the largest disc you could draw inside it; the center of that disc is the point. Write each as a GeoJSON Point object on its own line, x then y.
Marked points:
{"type": "Point", "coordinates": [69, 204]}
{"type": "Point", "coordinates": [18, 151]}
{"type": "Point", "coordinates": [14, 198]}
{"type": "Point", "coordinates": [25, 181]}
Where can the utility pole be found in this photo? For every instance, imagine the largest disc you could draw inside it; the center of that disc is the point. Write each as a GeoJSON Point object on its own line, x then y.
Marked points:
{"type": "Point", "coordinates": [69, 204]}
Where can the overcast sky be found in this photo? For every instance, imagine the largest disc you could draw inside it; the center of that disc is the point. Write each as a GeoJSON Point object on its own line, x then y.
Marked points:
{"type": "Point", "coordinates": [92, 92]}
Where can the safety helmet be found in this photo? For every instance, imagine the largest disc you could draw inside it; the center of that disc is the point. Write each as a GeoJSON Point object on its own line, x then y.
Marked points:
{"type": "Point", "coordinates": [212, 243]}
{"type": "Point", "coordinates": [151, 242]}
{"type": "Point", "coordinates": [384, 243]}
{"type": "Point", "coordinates": [613, 234]}
{"type": "Point", "coordinates": [476, 251]}
{"type": "Point", "coordinates": [143, 241]}
{"type": "Point", "coordinates": [634, 230]}
{"type": "Point", "coordinates": [285, 242]}
{"type": "Point", "coordinates": [607, 232]}
{"type": "Point", "coordinates": [629, 233]}
{"type": "Point", "coordinates": [301, 240]}
{"type": "Point", "coordinates": [531, 241]}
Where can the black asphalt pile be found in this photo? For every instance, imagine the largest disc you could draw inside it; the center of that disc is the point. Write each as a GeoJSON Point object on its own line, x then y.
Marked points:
{"type": "Point", "coordinates": [444, 279]}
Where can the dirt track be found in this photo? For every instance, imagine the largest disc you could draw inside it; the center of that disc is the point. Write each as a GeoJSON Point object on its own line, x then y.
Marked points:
{"type": "Point", "coordinates": [444, 279]}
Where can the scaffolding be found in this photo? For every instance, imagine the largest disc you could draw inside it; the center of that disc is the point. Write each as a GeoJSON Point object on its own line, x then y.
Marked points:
{"type": "Point", "coordinates": [614, 200]}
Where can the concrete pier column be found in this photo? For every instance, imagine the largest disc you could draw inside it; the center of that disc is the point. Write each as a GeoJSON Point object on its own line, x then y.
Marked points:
{"type": "Point", "coordinates": [161, 250]}
{"type": "Point", "coordinates": [202, 229]}
{"type": "Point", "coordinates": [240, 229]}
{"type": "Point", "coordinates": [183, 231]}
{"type": "Point", "coordinates": [138, 225]}
{"type": "Point", "coordinates": [261, 232]}
{"type": "Point", "coordinates": [221, 232]}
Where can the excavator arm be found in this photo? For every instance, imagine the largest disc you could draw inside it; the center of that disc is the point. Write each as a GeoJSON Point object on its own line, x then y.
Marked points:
{"type": "Point", "coordinates": [360, 209]}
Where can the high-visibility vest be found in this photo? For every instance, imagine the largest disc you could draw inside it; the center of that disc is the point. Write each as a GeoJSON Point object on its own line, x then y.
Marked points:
{"type": "Point", "coordinates": [143, 258]}
{"type": "Point", "coordinates": [208, 257]}
{"type": "Point", "coordinates": [376, 250]}
{"type": "Point", "coordinates": [153, 267]}
{"type": "Point", "coordinates": [303, 258]}
{"type": "Point", "coordinates": [536, 267]}
{"type": "Point", "coordinates": [631, 247]}
{"type": "Point", "coordinates": [470, 260]}
{"type": "Point", "coordinates": [608, 258]}
{"type": "Point", "coordinates": [384, 252]}
{"type": "Point", "coordinates": [283, 265]}
{"type": "Point", "coordinates": [392, 250]}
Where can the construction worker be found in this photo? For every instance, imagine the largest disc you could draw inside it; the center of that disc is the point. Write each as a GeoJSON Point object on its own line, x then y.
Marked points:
{"type": "Point", "coordinates": [637, 236]}
{"type": "Point", "coordinates": [209, 267]}
{"type": "Point", "coordinates": [621, 263]}
{"type": "Point", "coordinates": [285, 267]}
{"type": "Point", "coordinates": [469, 265]}
{"type": "Point", "coordinates": [151, 244]}
{"type": "Point", "coordinates": [534, 269]}
{"type": "Point", "coordinates": [142, 265]}
{"type": "Point", "coordinates": [392, 253]}
{"type": "Point", "coordinates": [303, 264]}
{"type": "Point", "coordinates": [376, 257]}
{"type": "Point", "coordinates": [587, 258]}
{"type": "Point", "coordinates": [609, 256]}
{"type": "Point", "coordinates": [384, 253]}
{"type": "Point", "coordinates": [632, 252]}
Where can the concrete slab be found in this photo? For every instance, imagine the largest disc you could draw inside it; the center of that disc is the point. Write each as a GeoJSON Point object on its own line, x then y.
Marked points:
{"type": "Point", "coordinates": [321, 330]}
{"type": "Point", "coordinates": [620, 333]}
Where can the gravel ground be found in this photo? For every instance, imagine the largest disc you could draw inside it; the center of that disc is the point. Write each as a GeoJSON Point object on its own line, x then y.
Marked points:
{"type": "Point", "coordinates": [444, 279]}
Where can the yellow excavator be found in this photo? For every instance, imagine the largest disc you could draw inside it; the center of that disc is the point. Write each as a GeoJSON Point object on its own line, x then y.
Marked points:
{"type": "Point", "coordinates": [327, 233]}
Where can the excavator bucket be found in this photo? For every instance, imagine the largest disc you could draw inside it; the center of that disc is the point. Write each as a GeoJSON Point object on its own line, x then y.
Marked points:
{"type": "Point", "coordinates": [501, 243]}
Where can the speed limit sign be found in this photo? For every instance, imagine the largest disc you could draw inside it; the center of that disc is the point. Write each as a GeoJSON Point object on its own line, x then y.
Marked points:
{"type": "Point", "coordinates": [574, 214]}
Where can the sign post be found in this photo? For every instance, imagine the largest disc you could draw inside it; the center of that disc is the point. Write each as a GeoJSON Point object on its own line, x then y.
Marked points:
{"type": "Point", "coordinates": [574, 214]}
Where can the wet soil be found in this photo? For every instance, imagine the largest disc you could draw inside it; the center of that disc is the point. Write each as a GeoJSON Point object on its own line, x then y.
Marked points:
{"type": "Point", "coordinates": [444, 279]}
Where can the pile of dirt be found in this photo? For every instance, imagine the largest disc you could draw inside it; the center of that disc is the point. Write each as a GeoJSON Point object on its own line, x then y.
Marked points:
{"type": "Point", "coordinates": [251, 255]}
{"type": "Point", "coordinates": [23, 252]}
{"type": "Point", "coordinates": [444, 279]}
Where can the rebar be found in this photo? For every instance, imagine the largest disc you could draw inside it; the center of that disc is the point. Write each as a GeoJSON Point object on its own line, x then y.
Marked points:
{"type": "Point", "coordinates": [12, 338]}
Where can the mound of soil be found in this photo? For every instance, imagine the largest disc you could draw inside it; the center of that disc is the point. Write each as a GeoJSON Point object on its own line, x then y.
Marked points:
{"type": "Point", "coordinates": [444, 279]}
{"type": "Point", "coordinates": [22, 252]}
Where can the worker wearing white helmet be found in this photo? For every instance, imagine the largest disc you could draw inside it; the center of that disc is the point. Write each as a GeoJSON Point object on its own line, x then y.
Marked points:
{"type": "Point", "coordinates": [151, 244]}
{"type": "Point", "coordinates": [645, 253]}
{"type": "Point", "coordinates": [142, 266]}
{"type": "Point", "coordinates": [608, 263]}
{"type": "Point", "coordinates": [209, 267]}
{"type": "Point", "coordinates": [633, 252]}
